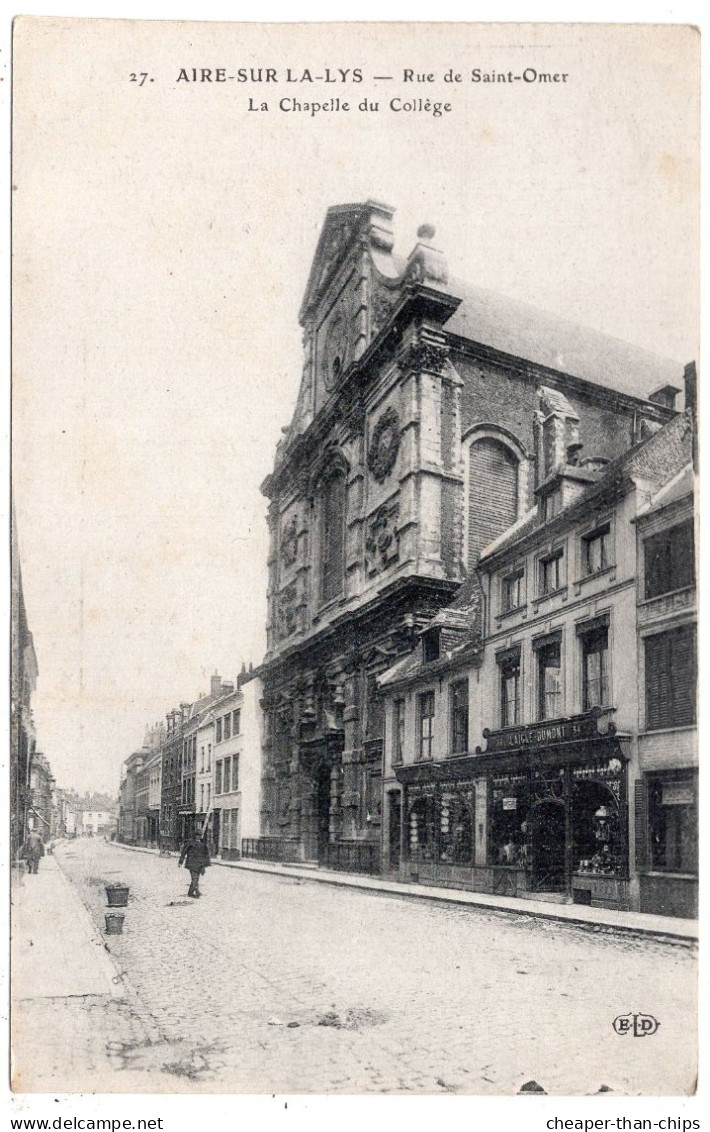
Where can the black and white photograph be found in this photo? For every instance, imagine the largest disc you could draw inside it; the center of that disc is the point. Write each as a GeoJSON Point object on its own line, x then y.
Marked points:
{"type": "Point", "coordinates": [353, 574]}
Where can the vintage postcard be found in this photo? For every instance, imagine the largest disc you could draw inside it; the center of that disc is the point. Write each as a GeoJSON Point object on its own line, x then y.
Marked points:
{"type": "Point", "coordinates": [354, 559]}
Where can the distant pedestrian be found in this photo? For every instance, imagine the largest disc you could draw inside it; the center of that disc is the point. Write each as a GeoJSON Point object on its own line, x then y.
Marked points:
{"type": "Point", "coordinates": [197, 859]}
{"type": "Point", "coordinates": [32, 850]}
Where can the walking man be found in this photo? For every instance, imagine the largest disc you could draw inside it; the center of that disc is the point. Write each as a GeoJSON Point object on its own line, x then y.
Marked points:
{"type": "Point", "coordinates": [196, 858]}
{"type": "Point", "coordinates": [32, 850]}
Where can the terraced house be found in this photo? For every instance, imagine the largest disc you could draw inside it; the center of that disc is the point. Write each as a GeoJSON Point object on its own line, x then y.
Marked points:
{"type": "Point", "coordinates": [419, 436]}
{"type": "Point", "coordinates": [520, 754]}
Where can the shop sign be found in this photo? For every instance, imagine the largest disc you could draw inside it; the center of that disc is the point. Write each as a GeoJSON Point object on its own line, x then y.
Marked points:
{"type": "Point", "coordinates": [542, 734]}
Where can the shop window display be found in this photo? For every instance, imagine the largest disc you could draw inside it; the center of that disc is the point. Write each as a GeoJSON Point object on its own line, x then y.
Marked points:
{"type": "Point", "coordinates": [510, 826]}
{"type": "Point", "coordinates": [596, 830]}
{"type": "Point", "coordinates": [421, 829]}
{"type": "Point", "coordinates": [456, 828]}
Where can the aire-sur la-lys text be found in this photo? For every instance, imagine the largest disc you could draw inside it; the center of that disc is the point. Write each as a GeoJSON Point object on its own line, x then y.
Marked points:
{"type": "Point", "coordinates": [526, 75]}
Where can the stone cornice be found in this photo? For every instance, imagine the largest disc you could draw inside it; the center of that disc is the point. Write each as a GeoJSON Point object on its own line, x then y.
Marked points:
{"type": "Point", "coordinates": [354, 619]}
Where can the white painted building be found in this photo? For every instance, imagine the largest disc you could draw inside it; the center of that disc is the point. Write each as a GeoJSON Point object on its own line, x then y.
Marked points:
{"type": "Point", "coordinates": [237, 768]}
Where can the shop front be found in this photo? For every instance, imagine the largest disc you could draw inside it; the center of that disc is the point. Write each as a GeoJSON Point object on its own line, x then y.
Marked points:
{"type": "Point", "coordinates": [541, 813]}
{"type": "Point", "coordinates": [667, 842]}
{"type": "Point", "coordinates": [436, 815]}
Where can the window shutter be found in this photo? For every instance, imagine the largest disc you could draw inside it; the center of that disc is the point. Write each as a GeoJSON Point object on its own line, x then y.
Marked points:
{"type": "Point", "coordinates": [641, 823]}
{"type": "Point", "coordinates": [492, 494]}
{"type": "Point", "coordinates": [682, 551]}
{"type": "Point", "coordinates": [658, 685]}
{"type": "Point", "coordinates": [682, 669]}
{"type": "Point", "coordinates": [656, 562]}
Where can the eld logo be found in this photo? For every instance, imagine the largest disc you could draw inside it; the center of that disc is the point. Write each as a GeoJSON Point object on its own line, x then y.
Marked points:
{"type": "Point", "coordinates": [640, 1025]}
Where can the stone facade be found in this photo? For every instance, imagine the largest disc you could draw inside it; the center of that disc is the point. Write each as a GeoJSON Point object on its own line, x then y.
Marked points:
{"type": "Point", "coordinates": [417, 406]}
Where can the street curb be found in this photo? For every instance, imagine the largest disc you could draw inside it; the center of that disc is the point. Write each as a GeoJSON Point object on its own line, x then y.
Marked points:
{"type": "Point", "coordinates": [682, 934]}
{"type": "Point", "coordinates": [118, 980]}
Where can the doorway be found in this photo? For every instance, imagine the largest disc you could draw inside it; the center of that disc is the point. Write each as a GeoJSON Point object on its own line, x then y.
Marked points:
{"type": "Point", "coordinates": [549, 846]}
{"type": "Point", "coordinates": [322, 793]}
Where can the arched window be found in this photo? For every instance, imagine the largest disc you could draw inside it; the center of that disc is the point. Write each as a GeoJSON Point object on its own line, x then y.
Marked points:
{"type": "Point", "coordinates": [332, 535]}
{"type": "Point", "coordinates": [494, 492]}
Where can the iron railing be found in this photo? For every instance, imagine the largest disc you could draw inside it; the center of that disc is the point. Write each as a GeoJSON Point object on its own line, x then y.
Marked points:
{"type": "Point", "coordinates": [351, 857]}
{"type": "Point", "coordinates": [271, 848]}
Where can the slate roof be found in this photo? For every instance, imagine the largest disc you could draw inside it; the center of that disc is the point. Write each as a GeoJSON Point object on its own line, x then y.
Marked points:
{"type": "Point", "coordinates": [681, 486]}
{"type": "Point", "coordinates": [656, 461]}
{"type": "Point", "coordinates": [461, 624]}
{"type": "Point", "coordinates": [516, 328]}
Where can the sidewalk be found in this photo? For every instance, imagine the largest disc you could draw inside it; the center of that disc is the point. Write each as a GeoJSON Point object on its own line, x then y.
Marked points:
{"type": "Point", "coordinates": [56, 951]}
{"type": "Point", "coordinates": [71, 1009]}
{"type": "Point", "coordinates": [596, 919]}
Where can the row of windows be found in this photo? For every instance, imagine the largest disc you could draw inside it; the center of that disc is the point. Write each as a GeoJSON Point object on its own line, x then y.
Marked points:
{"type": "Point", "coordinates": [227, 725]}
{"type": "Point", "coordinates": [226, 775]}
{"type": "Point", "coordinates": [426, 712]}
{"type": "Point", "coordinates": [670, 687]}
{"type": "Point", "coordinates": [189, 753]}
{"type": "Point", "coordinates": [594, 654]}
{"type": "Point", "coordinates": [205, 763]}
{"type": "Point", "coordinates": [669, 564]}
{"type": "Point", "coordinates": [595, 556]}
{"type": "Point", "coordinates": [594, 661]}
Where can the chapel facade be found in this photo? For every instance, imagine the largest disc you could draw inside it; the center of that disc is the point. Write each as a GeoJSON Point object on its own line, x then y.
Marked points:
{"type": "Point", "coordinates": [418, 437]}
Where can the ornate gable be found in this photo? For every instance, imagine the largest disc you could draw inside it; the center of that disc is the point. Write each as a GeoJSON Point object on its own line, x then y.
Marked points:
{"type": "Point", "coordinates": [354, 287]}
{"type": "Point", "coordinates": [344, 223]}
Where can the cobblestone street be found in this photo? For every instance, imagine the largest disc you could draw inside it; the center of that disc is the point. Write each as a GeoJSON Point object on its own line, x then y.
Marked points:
{"type": "Point", "coordinates": [272, 984]}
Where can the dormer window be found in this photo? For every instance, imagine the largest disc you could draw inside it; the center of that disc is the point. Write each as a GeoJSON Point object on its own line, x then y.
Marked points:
{"type": "Point", "coordinates": [552, 504]}
{"type": "Point", "coordinates": [431, 643]}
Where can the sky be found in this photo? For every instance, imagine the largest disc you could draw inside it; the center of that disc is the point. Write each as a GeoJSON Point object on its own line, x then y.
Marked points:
{"type": "Point", "coordinates": [163, 236]}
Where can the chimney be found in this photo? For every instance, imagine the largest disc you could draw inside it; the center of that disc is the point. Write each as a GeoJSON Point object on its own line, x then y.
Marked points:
{"type": "Point", "coordinates": [215, 685]}
{"type": "Point", "coordinates": [690, 377]}
{"type": "Point", "coordinates": [558, 431]}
